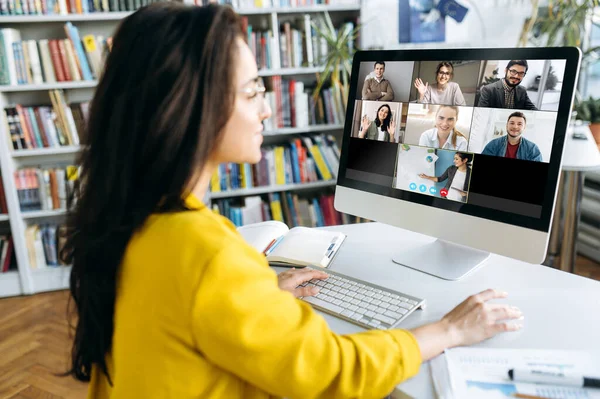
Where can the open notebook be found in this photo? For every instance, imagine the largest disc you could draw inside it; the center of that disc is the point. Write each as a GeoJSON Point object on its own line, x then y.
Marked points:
{"type": "Point", "coordinates": [296, 247]}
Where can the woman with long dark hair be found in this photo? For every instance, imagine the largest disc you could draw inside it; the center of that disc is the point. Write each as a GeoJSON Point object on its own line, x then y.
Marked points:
{"type": "Point", "coordinates": [382, 128]}
{"type": "Point", "coordinates": [171, 302]}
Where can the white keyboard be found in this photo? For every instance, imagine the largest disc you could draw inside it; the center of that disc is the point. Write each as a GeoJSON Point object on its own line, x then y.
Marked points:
{"type": "Point", "coordinates": [365, 304]}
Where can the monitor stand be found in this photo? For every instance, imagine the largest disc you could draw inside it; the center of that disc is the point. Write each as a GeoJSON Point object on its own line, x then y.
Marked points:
{"type": "Point", "coordinates": [442, 259]}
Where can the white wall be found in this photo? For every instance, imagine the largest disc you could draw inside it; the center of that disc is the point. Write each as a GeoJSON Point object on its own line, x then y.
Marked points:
{"type": "Point", "coordinates": [488, 23]}
{"type": "Point", "coordinates": [540, 128]}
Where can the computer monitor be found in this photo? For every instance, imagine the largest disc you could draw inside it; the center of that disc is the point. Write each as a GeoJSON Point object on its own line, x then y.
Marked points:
{"type": "Point", "coordinates": [463, 145]}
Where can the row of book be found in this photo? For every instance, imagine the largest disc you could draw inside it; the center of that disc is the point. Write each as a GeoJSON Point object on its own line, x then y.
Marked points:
{"type": "Point", "coordinates": [293, 105]}
{"type": "Point", "coordinates": [8, 260]}
{"type": "Point", "coordinates": [44, 243]}
{"type": "Point", "coordinates": [66, 7]}
{"type": "Point", "coordinates": [258, 4]}
{"type": "Point", "coordinates": [285, 207]}
{"type": "Point", "coordinates": [43, 189]}
{"type": "Point", "coordinates": [302, 160]}
{"type": "Point", "coordinates": [53, 126]}
{"type": "Point", "coordinates": [300, 44]}
{"type": "Point", "coordinates": [74, 59]}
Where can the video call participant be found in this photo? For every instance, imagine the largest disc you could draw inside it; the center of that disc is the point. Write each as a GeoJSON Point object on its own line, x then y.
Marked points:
{"type": "Point", "coordinates": [444, 135]}
{"type": "Point", "coordinates": [378, 88]}
{"type": "Point", "coordinates": [382, 128]}
{"type": "Point", "coordinates": [443, 91]}
{"type": "Point", "coordinates": [513, 145]}
{"type": "Point", "coordinates": [506, 93]}
{"type": "Point", "coordinates": [458, 176]}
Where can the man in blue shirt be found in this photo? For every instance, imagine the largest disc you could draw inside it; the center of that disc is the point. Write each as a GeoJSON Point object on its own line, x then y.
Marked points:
{"type": "Point", "coordinates": [513, 145]}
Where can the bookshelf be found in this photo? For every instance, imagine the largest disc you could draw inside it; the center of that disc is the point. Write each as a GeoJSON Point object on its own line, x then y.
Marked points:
{"type": "Point", "coordinates": [244, 192]}
{"type": "Point", "coordinates": [28, 280]}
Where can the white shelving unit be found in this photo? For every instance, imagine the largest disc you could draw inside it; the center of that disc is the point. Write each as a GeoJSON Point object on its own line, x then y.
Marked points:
{"type": "Point", "coordinates": [271, 189]}
{"type": "Point", "coordinates": [27, 280]}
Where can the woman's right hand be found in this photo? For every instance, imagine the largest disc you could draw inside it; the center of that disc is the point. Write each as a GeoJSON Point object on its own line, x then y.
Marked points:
{"type": "Point", "coordinates": [476, 320]}
{"type": "Point", "coordinates": [424, 176]}
{"type": "Point", "coordinates": [421, 87]}
{"type": "Point", "coordinates": [365, 123]}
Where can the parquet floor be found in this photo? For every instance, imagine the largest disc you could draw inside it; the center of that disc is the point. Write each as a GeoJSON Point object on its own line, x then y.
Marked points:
{"type": "Point", "coordinates": [35, 345]}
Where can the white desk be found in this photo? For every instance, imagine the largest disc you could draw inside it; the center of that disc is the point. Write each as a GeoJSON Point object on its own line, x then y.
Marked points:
{"type": "Point", "coordinates": [562, 310]}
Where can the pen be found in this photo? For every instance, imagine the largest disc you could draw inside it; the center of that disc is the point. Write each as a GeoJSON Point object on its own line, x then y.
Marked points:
{"type": "Point", "coordinates": [553, 377]}
{"type": "Point", "coordinates": [273, 245]}
{"type": "Point", "coordinates": [269, 246]}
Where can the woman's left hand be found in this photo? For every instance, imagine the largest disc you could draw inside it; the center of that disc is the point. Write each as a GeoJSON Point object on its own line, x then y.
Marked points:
{"type": "Point", "coordinates": [392, 131]}
{"type": "Point", "coordinates": [291, 279]}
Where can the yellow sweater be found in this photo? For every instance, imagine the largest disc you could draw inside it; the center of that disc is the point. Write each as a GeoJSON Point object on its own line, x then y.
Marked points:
{"type": "Point", "coordinates": [199, 314]}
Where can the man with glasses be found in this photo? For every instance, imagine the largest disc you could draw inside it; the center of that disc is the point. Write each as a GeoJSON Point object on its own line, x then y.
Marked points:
{"type": "Point", "coordinates": [506, 93]}
{"type": "Point", "coordinates": [377, 88]}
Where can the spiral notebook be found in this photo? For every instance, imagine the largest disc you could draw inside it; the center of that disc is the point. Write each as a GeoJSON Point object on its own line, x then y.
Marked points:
{"type": "Point", "coordinates": [295, 247]}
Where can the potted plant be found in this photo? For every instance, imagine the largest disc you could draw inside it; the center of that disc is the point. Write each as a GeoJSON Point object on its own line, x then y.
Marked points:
{"type": "Point", "coordinates": [589, 110]}
{"type": "Point", "coordinates": [338, 61]}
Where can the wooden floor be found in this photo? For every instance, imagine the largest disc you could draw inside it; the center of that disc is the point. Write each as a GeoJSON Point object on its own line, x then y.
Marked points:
{"type": "Point", "coordinates": [35, 345]}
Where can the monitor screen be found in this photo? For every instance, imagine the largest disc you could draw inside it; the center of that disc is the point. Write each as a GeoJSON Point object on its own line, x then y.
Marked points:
{"type": "Point", "coordinates": [479, 132]}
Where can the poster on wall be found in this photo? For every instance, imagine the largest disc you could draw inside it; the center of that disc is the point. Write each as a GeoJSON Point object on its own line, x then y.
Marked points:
{"type": "Point", "coordinates": [422, 21]}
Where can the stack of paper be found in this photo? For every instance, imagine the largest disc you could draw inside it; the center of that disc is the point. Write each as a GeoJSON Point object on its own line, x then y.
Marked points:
{"type": "Point", "coordinates": [483, 373]}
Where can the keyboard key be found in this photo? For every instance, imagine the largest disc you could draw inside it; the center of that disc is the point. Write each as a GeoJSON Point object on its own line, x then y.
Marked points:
{"type": "Point", "coordinates": [392, 314]}
{"type": "Point", "coordinates": [384, 319]}
{"type": "Point", "coordinates": [318, 302]}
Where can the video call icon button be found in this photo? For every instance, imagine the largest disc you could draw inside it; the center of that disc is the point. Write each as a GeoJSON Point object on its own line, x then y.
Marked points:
{"type": "Point", "coordinates": [433, 190]}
